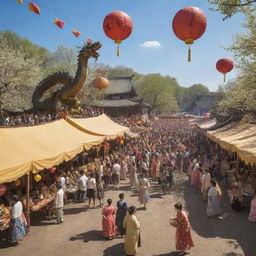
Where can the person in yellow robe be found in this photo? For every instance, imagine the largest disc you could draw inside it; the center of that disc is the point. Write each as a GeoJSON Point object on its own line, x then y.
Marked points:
{"type": "Point", "coordinates": [132, 232]}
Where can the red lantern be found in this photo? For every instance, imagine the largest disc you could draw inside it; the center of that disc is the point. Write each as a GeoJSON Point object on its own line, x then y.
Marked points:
{"type": "Point", "coordinates": [3, 189]}
{"type": "Point", "coordinates": [224, 66]}
{"type": "Point", "coordinates": [117, 26]}
{"type": "Point", "coordinates": [52, 170]}
{"type": "Point", "coordinates": [188, 25]}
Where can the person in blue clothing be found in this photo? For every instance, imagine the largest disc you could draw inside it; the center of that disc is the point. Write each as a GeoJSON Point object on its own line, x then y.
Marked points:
{"type": "Point", "coordinates": [122, 208]}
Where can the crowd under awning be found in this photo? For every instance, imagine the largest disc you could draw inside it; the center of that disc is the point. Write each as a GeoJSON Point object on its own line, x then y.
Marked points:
{"type": "Point", "coordinates": [101, 126]}
{"type": "Point", "coordinates": [34, 148]}
{"type": "Point", "coordinates": [236, 137]}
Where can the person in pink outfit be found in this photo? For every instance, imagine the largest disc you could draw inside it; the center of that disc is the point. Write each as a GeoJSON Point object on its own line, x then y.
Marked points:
{"type": "Point", "coordinates": [108, 221]}
{"type": "Point", "coordinates": [252, 215]}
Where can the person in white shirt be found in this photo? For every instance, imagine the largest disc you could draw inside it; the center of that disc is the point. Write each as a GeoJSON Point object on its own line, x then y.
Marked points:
{"type": "Point", "coordinates": [63, 181]}
{"type": "Point", "coordinates": [82, 186]}
{"type": "Point", "coordinates": [59, 203]}
{"type": "Point", "coordinates": [116, 173]}
{"type": "Point", "coordinates": [91, 190]}
{"type": "Point", "coordinates": [17, 227]}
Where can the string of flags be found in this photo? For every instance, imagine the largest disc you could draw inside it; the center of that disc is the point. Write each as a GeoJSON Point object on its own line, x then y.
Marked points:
{"type": "Point", "coordinates": [59, 23]}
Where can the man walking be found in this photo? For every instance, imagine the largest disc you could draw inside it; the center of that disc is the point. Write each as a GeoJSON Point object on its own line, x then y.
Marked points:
{"type": "Point", "coordinates": [59, 203]}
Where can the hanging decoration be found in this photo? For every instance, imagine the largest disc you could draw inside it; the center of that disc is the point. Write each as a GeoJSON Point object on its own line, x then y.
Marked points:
{"type": "Point", "coordinates": [188, 25]}
{"type": "Point", "coordinates": [34, 8]}
{"type": "Point", "coordinates": [224, 66]}
{"type": "Point", "coordinates": [59, 23]}
{"type": "Point", "coordinates": [37, 177]}
{"type": "Point", "coordinates": [3, 189]}
{"type": "Point", "coordinates": [19, 1]}
{"type": "Point", "coordinates": [76, 33]}
{"type": "Point", "coordinates": [100, 82]}
{"type": "Point", "coordinates": [117, 26]}
{"type": "Point", "coordinates": [52, 170]}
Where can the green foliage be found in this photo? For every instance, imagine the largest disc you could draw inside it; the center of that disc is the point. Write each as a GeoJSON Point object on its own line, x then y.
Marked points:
{"type": "Point", "coordinates": [159, 92]}
{"type": "Point", "coordinates": [190, 95]}
{"type": "Point", "coordinates": [229, 7]}
{"type": "Point", "coordinates": [18, 75]}
{"type": "Point", "coordinates": [239, 97]}
{"type": "Point", "coordinates": [62, 60]}
{"type": "Point", "coordinates": [23, 45]}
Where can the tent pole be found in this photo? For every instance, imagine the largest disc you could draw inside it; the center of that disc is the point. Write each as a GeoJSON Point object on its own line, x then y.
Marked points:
{"type": "Point", "coordinates": [27, 200]}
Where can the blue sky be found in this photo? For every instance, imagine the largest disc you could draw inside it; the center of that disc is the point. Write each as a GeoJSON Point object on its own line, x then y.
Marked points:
{"type": "Point", "coordinates": [152, 22]}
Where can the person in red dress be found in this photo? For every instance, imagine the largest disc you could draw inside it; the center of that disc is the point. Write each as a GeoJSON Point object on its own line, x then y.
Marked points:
{"type": "Point", "coordinates": [108, 221]}
{"type": "Point", "coordinates": [184, 240]}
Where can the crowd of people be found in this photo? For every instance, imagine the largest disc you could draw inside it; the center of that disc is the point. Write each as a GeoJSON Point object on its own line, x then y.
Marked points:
{"type": "Point", "coordinates": [168, 147]}
{"type": "Point", "coordinates": [29, 119]}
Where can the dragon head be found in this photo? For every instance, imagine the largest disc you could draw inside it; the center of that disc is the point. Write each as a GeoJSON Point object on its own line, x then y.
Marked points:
{"type": "Point", "coordinates": [90, 49]}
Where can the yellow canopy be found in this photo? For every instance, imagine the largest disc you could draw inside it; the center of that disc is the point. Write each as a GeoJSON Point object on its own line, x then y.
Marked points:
{"type": "Point", "coordinates": [38, 147]}
{"type": "Point", "coordinates": [240, 138]}
{"type": "Point", "coordinates": [101, 125]}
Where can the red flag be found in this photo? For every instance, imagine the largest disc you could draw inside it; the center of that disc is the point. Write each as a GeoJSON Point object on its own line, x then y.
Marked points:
{"type": "Point", "coordinates": [59, 23]}
{"type": "Point", "coordinates": [76, 33]}
{"type": "Point", "coordinates": [34, 8]}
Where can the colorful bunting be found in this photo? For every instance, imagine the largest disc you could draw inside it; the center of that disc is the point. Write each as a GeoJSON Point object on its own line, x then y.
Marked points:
{"type": "Point", "coordinates": [59, 23]}
{"type": "Point", "coordinates": [20, 1]}
{"type": "Point", "coordinates": [89, 41]}
{"type": "Point", "coordinates": [76, 33]}
{"type": "Point", "coordinates": [34, 8]}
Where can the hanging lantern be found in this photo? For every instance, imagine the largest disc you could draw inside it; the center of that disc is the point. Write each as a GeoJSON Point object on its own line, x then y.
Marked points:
{"type": "Point", "coordinates": [17, 183]}
{"type": "Point", "coordinates": [34, 8]}
{"type": "Point", "coordinates": [37, 177]}
{"type": "Point", "coordinates": [76, 33]}
{"type": "Point", "coordinates": [188, 25]}
{"type": "Point", "coordinates": [3, 189]}
{"type": "Point", "coordinates": [224, 66]}
{"type": "Point", "coordinates": [52, 170]}
{"type": "Point", "coordinates": [117, 26]}
{"type": "Point", "coordinates": [100, 83]}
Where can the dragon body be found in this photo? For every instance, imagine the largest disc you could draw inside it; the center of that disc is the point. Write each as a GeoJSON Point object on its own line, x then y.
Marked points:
{"type": "Point", "coordinates": [66, 96]}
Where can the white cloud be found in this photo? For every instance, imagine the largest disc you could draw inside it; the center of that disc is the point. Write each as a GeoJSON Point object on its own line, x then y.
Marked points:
{"type": "Point", "coordinates": [152, 44]}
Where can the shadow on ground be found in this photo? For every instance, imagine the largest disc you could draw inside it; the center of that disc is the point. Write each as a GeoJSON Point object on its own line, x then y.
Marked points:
{"type": "Point", "coordinates": [93, 235]}
{"type": "Point", "coordinates": [172, 254]}
{"type": "Point", "coordinates": [232, 225]}
{"type": "Point", "coordinates": [69, 211]}
{"type": "Point", "coordinates": [115, 250]}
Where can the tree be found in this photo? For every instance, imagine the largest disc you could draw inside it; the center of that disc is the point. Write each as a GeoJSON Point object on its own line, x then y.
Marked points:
{"type": "Point", "coordinates": [190, 95]}
{"type": "Point", "coordinates": [18, 76]}
{"type": "Point", "coordinates": [62, 60]}
{"type": "Point", "coordinates": [25, 46]}
{"type": "Point", "coordinates": [239, 96]}
{"type": "Point", "coordinates": [159, 92]}
{"type": "Point", "coordinates": [230, 7]}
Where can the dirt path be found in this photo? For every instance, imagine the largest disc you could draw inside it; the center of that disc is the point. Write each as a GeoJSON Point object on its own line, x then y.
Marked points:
{"type": "Point", "coordinates": [80, 234]}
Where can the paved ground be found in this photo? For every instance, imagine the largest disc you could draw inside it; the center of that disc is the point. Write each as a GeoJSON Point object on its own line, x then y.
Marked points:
{"type": "Point", "coordinates": [81, 233]}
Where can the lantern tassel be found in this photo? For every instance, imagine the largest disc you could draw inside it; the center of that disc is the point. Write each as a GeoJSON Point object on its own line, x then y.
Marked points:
{"type": "Point", "coordinates": [189, 54]}
{"type": "Point", "coordinates": [118, 50]}
{"type": "Point", "coordinates": [224, 78]}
